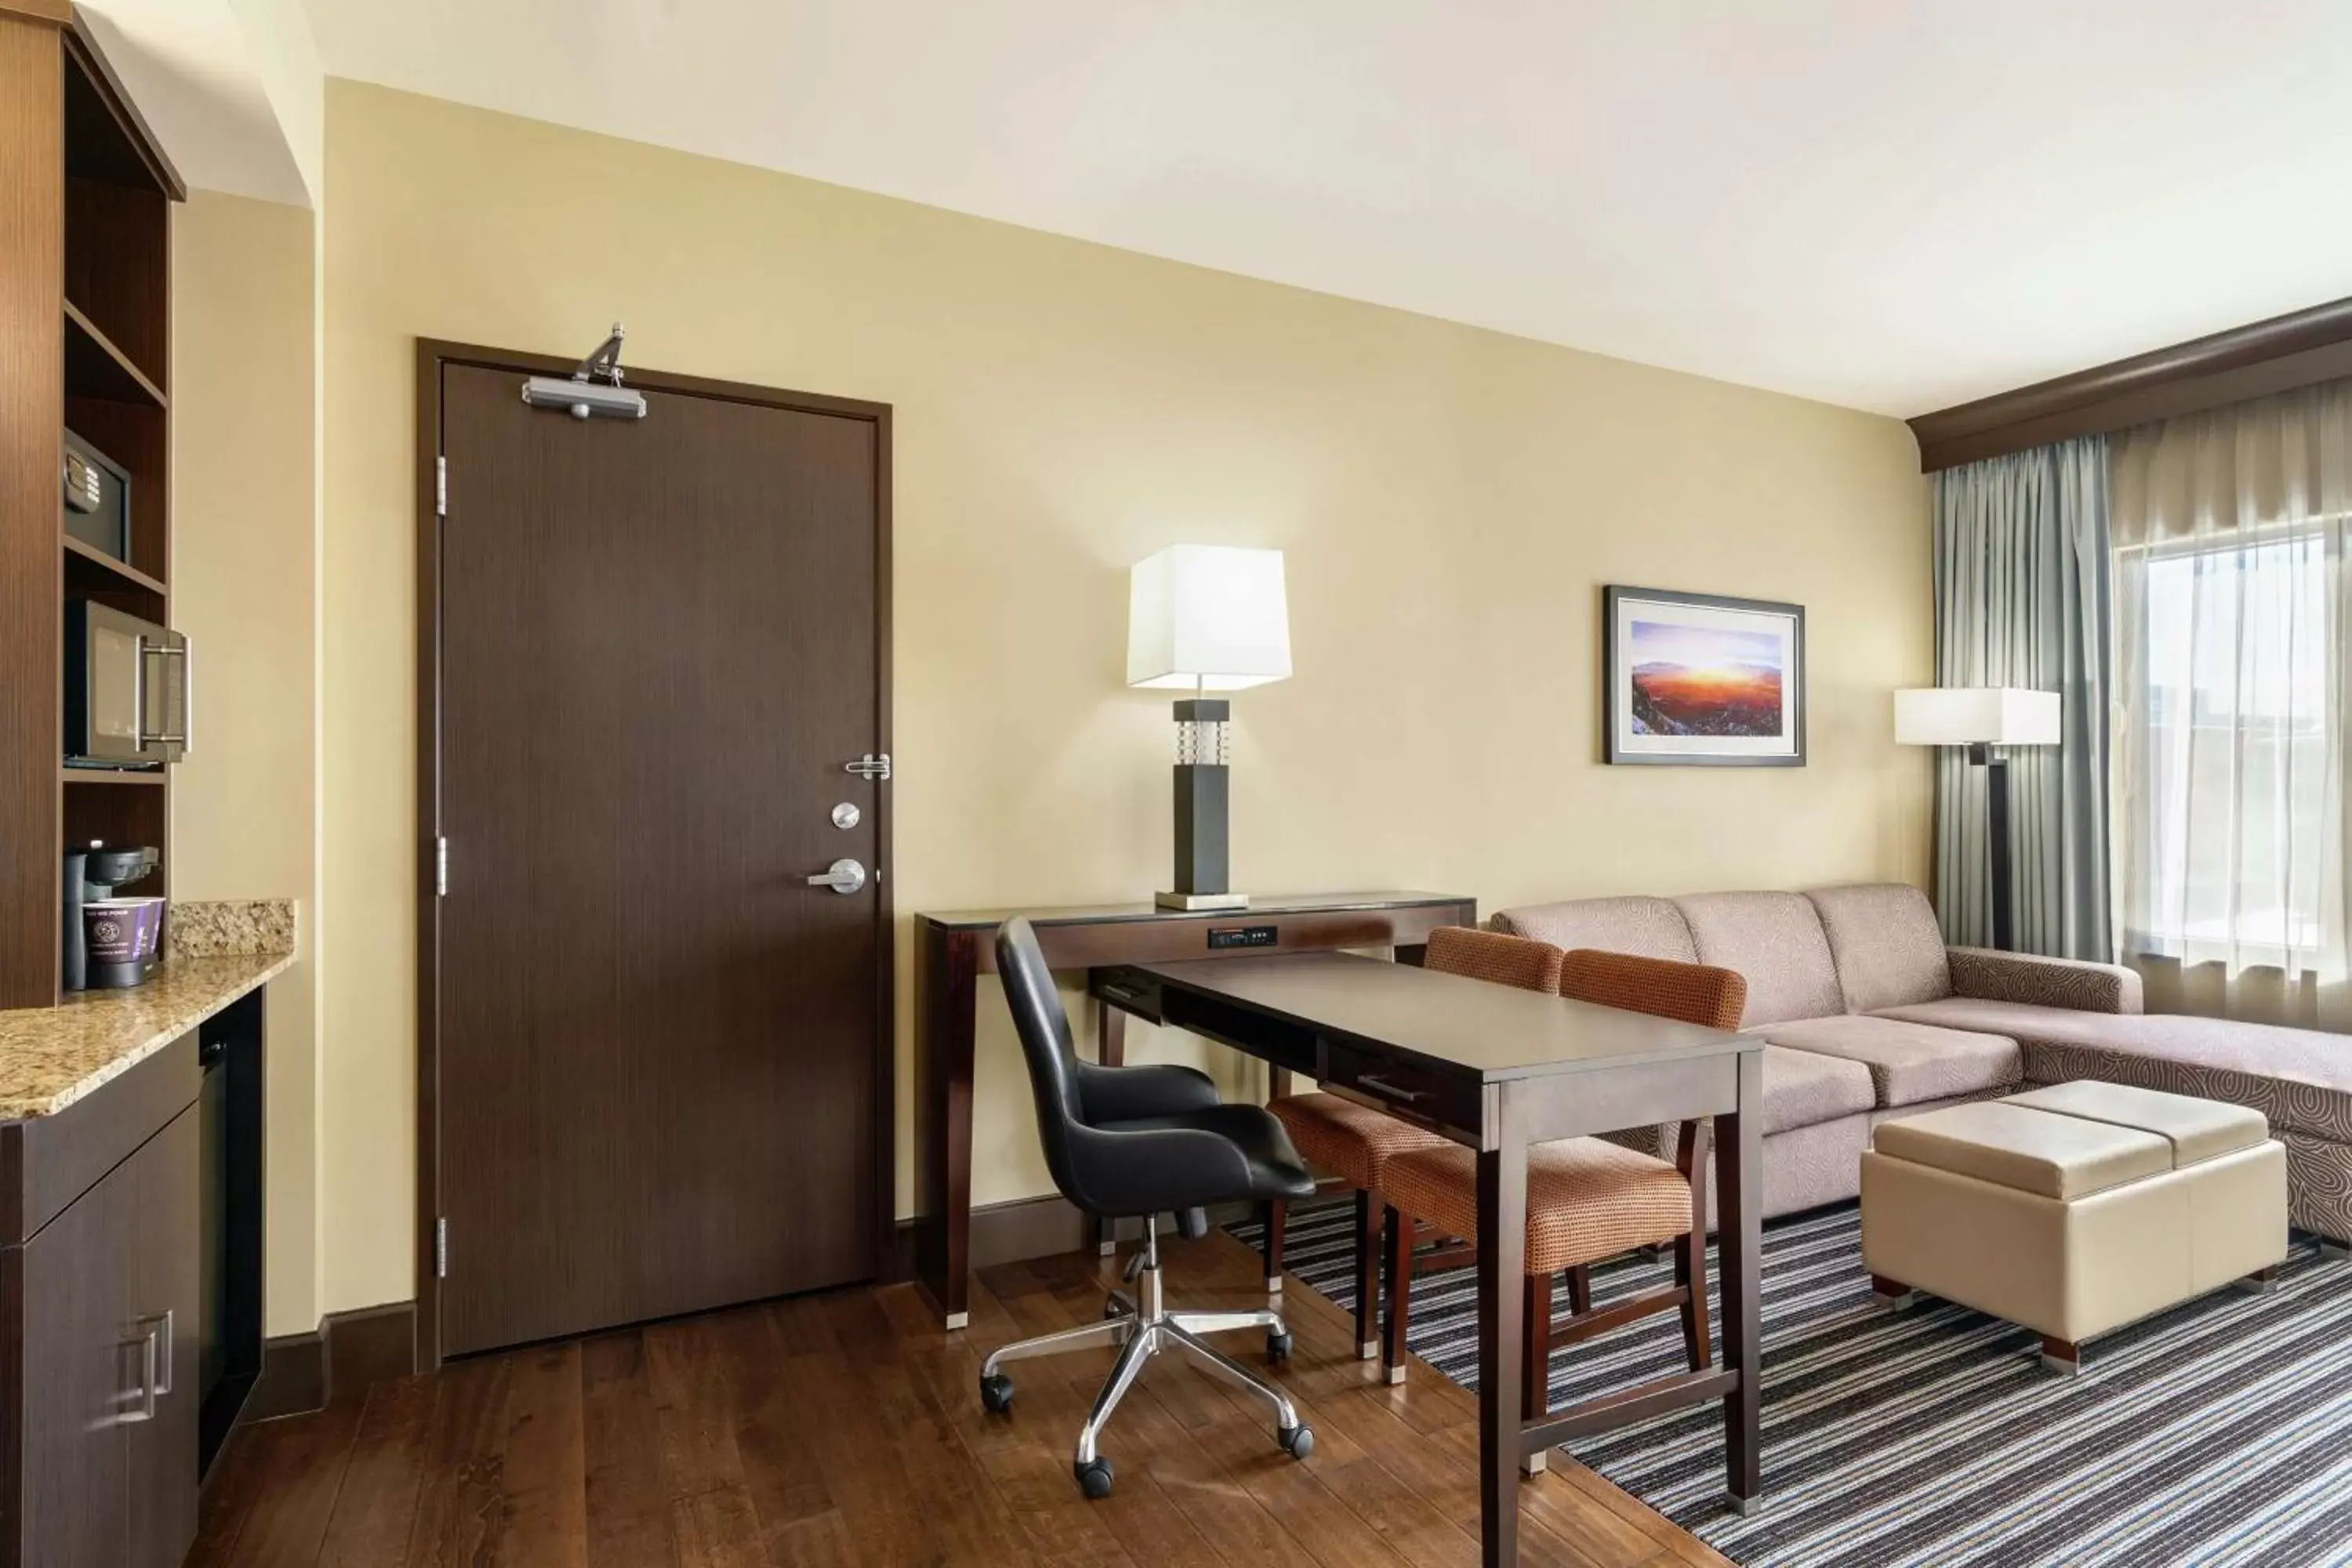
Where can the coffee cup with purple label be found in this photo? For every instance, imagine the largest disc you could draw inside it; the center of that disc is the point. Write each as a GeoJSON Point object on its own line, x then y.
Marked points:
{"type": "Point", "coordinates": [122, 930]}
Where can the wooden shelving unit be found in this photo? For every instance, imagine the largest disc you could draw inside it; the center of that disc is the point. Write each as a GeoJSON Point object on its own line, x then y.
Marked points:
{"type": "Point", "coordinates": [93, 574]}
{"type": "Point", "coordinates": [96, 368]}
{"type": "Point", "coordinates": [85, 345]}
{"type": "Point", "coordinates": [109, 776]}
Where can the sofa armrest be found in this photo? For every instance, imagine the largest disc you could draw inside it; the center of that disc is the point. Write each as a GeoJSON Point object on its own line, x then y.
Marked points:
{"type": "Point", "coordinates": [2030, 979]}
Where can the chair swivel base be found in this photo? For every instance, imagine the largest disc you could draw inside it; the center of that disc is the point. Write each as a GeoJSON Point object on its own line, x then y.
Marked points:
{"type": "Point", "coordinates": [1142, 1326]}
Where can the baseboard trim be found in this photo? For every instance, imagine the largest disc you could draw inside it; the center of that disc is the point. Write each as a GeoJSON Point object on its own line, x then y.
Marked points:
{"type": "Point", "coordinates": [374, 1344]}
{"type": "Point", "coordinates": [1024, 1229]}
{"type": "Point", "coordinates": [293, 1379]}
{"type": "Point", "coordinates": [1028, 1227]}
{"type": "Point", "coordinates": [350, 1351]}
{"type": "Point", "coordinates": [337, 1359]}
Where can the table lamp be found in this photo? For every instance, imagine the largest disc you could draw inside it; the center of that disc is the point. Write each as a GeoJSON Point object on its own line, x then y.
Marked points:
{"type": "Point", "coordinates": [1981, 718]}
{"type": "Point", "coordinates": [1203, 618]}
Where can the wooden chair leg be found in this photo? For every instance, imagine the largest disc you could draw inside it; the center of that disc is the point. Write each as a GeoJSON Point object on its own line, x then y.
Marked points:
{"type": "Point", "coordinates": [1277, 1212]}
{"type": "Point", "coordinates": [1369, 1210]}
{"type": "Point", "coordinates": [1400, 1251]}
{"type": "Point", "coordinates": [1690, 1252]}
{"type": "Point", "coordinates": [1535, 1365]}
{"type": "Point", "coordinates": [1579, 1289]}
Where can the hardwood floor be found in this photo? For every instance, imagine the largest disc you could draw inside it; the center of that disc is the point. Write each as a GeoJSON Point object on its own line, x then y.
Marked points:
{"type": "Point", "coordinates": [846, 1429]}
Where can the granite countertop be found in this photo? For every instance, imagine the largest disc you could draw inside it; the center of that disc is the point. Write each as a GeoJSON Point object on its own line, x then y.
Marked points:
{"type": "Point", "coordinates": [52, 1057]}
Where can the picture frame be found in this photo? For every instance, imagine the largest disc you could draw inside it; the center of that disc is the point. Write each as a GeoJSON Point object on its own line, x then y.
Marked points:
{"type": "Point", "coordinates": [1702, 679]}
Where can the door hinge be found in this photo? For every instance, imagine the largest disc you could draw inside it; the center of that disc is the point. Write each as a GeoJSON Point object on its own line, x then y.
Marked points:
{"type": "Point", "coordinates": [441, 1248]}
{"type": "Point", "coordinates": [440, 487]}
{"type": "Point", "coordinates": [440, 867]}
{"type": "Point", "coordinates": [872, 765]}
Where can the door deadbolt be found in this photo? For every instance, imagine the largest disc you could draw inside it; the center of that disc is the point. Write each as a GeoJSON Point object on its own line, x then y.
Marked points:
{"type": "Point", "coordinates": [845, 815]}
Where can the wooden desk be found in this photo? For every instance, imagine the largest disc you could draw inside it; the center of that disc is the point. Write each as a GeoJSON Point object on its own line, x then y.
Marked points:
{"type": "Point", "coordinates": [1497, 1069]}
{"type": "Point", "coordinates": [955, 949]}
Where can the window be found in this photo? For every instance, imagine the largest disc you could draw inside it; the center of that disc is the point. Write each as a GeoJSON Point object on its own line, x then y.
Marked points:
{"type": "Point", "coordinates": [2230, 762]}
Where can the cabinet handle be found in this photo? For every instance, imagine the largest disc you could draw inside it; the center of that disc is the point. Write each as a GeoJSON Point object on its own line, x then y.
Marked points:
{"type": "Point", "coordinates": [159, 1331]}
{"type": "Point", "coordinates": [1396, 1091]}
{"type": "Point", "coordinates": [148, 1358]}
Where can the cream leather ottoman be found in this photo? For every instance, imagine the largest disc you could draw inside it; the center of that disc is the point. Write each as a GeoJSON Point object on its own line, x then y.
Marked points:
{"type": "Point", "coordinates": [2073, 1210]}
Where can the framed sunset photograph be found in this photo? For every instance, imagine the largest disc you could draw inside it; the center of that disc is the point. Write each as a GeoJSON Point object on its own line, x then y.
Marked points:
{"type": "Point", "coordinates": [1701, 680]}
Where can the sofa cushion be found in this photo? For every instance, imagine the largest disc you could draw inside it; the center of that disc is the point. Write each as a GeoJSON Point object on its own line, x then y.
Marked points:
{"type": "Point", "coordinates": [1902, 1113]}
{"type": "Point", "coordinates": [1801, 1088]}
{"type": "Point", "coordinates": [1775, 941]}
{"type": "Point", "coordinates": [1804, 1167]}
{"type": "Point", "coordinates": [2300, 1078]}
{"type": "Point", "coordinates": [1909, 1062]}
{"type": "Point", "coordinates": [2018, 1020]}
{"type": "Point", "coordinates": [1888, 948]}
{"type": "Point", "coordinates": [1646, 928]}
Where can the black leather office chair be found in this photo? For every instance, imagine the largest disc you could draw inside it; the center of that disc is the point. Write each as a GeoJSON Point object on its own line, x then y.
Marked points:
{"type": "Point", "coordinates": [1142, 1141]}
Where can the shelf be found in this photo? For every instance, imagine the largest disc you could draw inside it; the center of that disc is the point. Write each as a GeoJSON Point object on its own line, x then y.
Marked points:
{"type": "Point", "coordinates": [125, 575]}
{"type": "Point", "coordinates": [112, 776]}
{"type": "Point", "coordinates": [106, 137]}
{"type": "Point", "coordinates": [96, 368]}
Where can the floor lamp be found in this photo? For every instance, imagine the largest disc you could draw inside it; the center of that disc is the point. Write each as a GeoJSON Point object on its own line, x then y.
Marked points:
{"type": "Point", "coordinates": [1981, 718]}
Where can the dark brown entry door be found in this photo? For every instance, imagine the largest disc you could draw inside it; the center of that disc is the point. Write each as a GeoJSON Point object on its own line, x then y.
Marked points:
{"type": "Point", "coordinates": [656, 1041]}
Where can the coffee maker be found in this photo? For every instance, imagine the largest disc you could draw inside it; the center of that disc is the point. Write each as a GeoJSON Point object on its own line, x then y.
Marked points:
{"type": "Point", "coordinates": [93, 874]}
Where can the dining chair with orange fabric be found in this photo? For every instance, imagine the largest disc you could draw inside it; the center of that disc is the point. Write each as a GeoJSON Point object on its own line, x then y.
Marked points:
{"type": "Point", "coordinates": [1354, 1142]}
{"type": "Point", "coordinates": [1589, 1200]}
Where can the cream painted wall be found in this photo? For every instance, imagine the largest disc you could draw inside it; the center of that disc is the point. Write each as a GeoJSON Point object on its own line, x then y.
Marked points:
{"type": "Point", "coordinates": [1451, 500]}
{"type": "Point", "coordinates": [244, 560]}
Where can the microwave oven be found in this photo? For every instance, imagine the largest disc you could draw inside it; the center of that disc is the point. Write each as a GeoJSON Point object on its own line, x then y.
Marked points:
{"type": "Point", "coordinates": [128, 689]}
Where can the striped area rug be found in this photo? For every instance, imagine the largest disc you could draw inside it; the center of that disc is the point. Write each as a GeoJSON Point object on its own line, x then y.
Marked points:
{"type": "Point", "coordinates": [2219, 1433]}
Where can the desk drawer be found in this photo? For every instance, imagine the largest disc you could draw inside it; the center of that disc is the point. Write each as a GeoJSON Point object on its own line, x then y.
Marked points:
{"type": "Point", "coordinates": [1128, 990]}
{"type": "Point", "coordinates": [1415, 1093]}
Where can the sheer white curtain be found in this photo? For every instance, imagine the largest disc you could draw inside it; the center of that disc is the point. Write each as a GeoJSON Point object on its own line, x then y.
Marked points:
{"type": "Point", "coordinates": [2233, 604]}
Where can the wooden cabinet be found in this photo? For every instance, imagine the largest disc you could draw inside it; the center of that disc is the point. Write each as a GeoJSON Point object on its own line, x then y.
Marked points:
{"type": "Point", "coordinates": [98, 1383]}
{"type": "Point", "coordinates": [85, 347]}
{"type": "Point", "coordinates": [164, 1235]}
{"type": "Point", "coordinates": [75, 1281]}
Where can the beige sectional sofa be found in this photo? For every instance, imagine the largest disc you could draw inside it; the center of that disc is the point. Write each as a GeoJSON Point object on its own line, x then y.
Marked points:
{"type": "Point", "coordinates": [1869, 1016]}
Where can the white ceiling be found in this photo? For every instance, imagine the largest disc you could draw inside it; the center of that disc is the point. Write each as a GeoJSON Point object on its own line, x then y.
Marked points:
{"type": "Point", "coordinates": [1895, 204]}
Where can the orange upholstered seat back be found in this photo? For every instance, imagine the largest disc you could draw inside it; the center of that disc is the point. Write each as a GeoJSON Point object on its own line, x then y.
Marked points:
{"type": "Point", "coordinates": [1691, 993]}
{"type": "Point", "coordinates": [1519, 960]}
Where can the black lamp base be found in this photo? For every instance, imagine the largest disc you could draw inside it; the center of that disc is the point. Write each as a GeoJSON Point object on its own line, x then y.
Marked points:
{"type": "Point", "coordinates": [1997, 843]}
{"type": "Point", "coordinates": [1202, 791]}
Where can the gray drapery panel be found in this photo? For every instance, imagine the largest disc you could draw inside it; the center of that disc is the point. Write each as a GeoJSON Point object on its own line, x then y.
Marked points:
{"type": "Point", "coordinates": [2022, 598]}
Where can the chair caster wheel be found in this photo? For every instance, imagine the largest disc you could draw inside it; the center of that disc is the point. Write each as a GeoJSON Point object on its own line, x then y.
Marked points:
{"type": "Point", "coordinates": [1093, 1478]}
{"type": "Point", "coordinates": [996, 1394]}
{"type": "Point", "coordinates": [1277, 1349]}
{"type": "Point", "coordinates": [1297, 1441]}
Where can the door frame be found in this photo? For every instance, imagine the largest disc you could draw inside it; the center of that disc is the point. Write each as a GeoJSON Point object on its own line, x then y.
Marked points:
{"type": "Point", "coordinates": [432, 356]}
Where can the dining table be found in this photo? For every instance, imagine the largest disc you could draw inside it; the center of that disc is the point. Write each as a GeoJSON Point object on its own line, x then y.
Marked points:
{"type": "Point", "coordinates": [1499, 1070]}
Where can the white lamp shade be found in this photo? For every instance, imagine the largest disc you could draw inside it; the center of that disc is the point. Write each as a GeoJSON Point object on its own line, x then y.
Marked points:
{"type": "Point", "coordinates": [1971, 715]}
{"type": "Point", "coordinates": [1210, 617]}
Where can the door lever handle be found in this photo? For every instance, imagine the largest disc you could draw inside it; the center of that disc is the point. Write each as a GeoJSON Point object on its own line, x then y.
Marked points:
{"type": "Point", "coordinates": [844, 877]}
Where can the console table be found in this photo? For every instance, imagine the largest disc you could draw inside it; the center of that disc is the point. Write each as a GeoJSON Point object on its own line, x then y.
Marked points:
{"type": "Point", "coordinates": [955, 949]}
